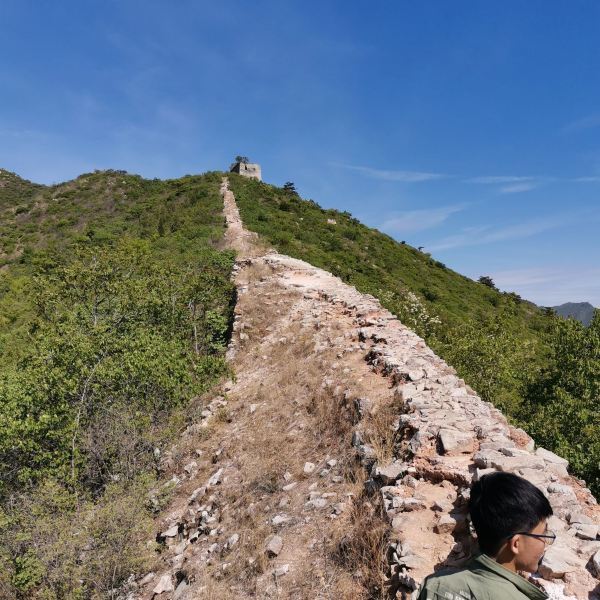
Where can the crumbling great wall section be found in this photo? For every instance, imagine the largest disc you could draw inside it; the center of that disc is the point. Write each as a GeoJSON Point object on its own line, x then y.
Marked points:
{"type": "Point", "coordinates": [272, 487]}
{"type": "Point", "coordinates": [447, 437]}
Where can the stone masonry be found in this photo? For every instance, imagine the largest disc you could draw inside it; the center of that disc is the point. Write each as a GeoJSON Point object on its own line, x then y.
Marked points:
{"type": "Point", "coordinates": [447, 436]}
{"type": "Point", "coordinates": [444, 437]}
{"type": "Point", "coordinates": [251, 170]}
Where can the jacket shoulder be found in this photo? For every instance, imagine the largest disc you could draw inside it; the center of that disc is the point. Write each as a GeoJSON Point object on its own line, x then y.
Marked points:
{"type": "Point", "coordinates": [449, 586]}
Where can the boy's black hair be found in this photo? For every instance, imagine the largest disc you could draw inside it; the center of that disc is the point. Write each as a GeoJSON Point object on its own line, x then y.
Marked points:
{"type": "Point", "coordinates": [502, 504]}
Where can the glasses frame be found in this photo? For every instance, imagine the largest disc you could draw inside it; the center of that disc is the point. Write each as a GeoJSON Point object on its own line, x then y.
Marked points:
{"type": "Point", "coordinates": [539, 536]}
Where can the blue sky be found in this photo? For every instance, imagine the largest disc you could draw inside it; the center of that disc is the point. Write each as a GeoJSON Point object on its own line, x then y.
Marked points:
{"type": "Point", "coordinates": [472, 129]}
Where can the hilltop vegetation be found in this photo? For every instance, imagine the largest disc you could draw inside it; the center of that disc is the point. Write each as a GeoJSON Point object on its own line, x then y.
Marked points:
{"type": "Point", "coordinates": [115, 310]}
{"type": "Point", "coordinates": [115, 307]}
{"type": "Point", "coordinates": [540, 370]}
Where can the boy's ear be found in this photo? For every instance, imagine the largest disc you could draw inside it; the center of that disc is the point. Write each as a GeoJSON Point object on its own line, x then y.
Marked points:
{"type": "Point", "coordinates": [514, 544]}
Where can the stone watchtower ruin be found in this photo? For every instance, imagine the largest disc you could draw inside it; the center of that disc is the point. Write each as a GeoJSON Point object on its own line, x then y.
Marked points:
{"type": "Point", "coordinates": [247, 169]}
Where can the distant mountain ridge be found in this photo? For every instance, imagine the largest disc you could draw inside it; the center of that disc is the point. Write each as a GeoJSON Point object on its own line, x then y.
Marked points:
{"type": "Point", "coordinates": [581, 311]}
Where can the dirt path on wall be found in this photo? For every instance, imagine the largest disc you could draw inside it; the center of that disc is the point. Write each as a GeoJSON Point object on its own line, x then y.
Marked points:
{"type": "Point", "coordinates": [336, 463]}
{"type": "Point", "coordinates": [244, 242]}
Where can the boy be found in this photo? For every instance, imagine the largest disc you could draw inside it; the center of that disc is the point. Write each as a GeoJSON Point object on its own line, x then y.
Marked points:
{"type": "Point", "coordinates": [509, 515]}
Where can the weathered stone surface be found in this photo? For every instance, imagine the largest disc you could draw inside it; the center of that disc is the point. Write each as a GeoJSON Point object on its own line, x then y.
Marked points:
{"type": "Point", "coordinates": [279, 519]}
{"type": "Point", "coordinates": [181, 590]}
{"type": "Point", "coordinates": [446, 524]}
{"type": "Point", "coordinates": [586, 531]}
{"type": "Point", "coordinates": [216, 478]}
{"type": "Point", "coordinates": [147, 578]}
{"type": "Point", "coordinates": [551, 457]}
{"type": "Point", "coordinates": [281, 571]}
{"type": "Point", "coordinates": [164, 584]}
{"type": "Point", "coordinates": [558, 560]}
{"type": "Point", "coordinates": [596, 563]}
{"type": "Point", "coordinates": [171, 532]}
{"type": "Point", "coordinates": [456, 442]}
{"type": "Point", "coordinates": [274, 546]}
{"type": "Point", "coordinates": [309, 468]}
{"type": "Point", "coordinates": [389, 474]}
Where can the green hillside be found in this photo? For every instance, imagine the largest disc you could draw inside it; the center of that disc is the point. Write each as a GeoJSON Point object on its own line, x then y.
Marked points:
{"type": "Point", "coordinates": [540, 370]}
{"type": "Point", "coordinates": [367, 258]}
{"type": "Point", "coordinates": [115, 310]}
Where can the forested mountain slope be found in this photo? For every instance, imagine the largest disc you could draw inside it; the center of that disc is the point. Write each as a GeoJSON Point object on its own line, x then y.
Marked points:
{"type": "Point", "coordinates": [115, 311]}
{"type": "Point", "coordinates": [367, 258]}
{"type": "Point", "coordinates": [115, 307]}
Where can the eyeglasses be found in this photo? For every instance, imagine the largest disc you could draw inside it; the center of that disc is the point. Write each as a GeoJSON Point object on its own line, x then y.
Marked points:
{"type": "Point", "coordinates": [548, 538]}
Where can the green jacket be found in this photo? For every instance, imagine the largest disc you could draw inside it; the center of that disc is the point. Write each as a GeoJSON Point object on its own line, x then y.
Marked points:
{"type": "Point", "coordinates": [482, 579]}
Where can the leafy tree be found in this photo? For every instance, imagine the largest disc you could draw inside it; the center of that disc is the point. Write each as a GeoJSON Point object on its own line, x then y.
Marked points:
{"type": "Point", "coordinates": [55, 545]}
{"type": "Point", "coordinates": [289, 188]}
{"type": "Point", "coordinates": [487, 281]}
{"type": "Point", "coordinates": [242, 159]}
{"type": "Point", "coordinates": [489, 355]}
{"type": "Point", "coordinates": [106, 330]}
{"type": "Point", "coordinates": [562, 406]}
{"type": "Point", "coordinates": [114, 329]}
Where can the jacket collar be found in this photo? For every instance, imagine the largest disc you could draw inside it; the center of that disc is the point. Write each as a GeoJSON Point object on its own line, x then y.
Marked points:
{"type": "Point", "coordinates": [525, 587]}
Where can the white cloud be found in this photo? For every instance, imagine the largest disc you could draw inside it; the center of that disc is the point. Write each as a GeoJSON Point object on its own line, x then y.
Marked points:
{"type": "Point", "coordinates": [491, 179]}
{"type": "Point", "coordinates": [392, 175]}
{"type": "Point", "coordinates": [476, 236]}
{"type": "Point", "coordinates": [515, 188]}
{"type": "Point", "coordinates": [418, 220]}
{"type": "Point", "coordinates": [551, 286]}
{"type": "Point", "coordinates": [589, 122]}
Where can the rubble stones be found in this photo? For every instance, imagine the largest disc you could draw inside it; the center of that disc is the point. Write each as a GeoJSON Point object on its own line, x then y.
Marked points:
{"type": "Point", "coordinates": [216, 478]}
{"type": "Point", "coordinates": [447, 435]}
{"type": "Point", "coordinates": [171, 532]}
{"type": "Point", "coordinates": [281, 571]}
{"type": "Point", "coordinates": [456, 442]}
{"type": "Point", "coordinates": [389, 474]}
{"type": "Point", "coordinates": [274, 546]}
{"type": "Point", "coordinates": [559, 560]}
{"type": "Point", "coordinates": [164, 585]}
{"type": "Point", "coordinates": [309, 468]}
{"type": "Point", "coordinates": [551, 457]}
{"type": "Point", "coordinates": [446, 524]}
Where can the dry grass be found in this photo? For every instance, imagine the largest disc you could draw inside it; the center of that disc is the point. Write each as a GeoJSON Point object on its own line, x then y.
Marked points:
{"type": "Point", "coordinates": [216, 590]}
{"type": "Point", "coordinates": [296, 420]}
{"type": "Point", "coordinates": [359, 548]}
{"type": "Point", "coordinates": [379, 432]}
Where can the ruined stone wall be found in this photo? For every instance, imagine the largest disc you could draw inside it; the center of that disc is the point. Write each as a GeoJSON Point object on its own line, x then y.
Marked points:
{"type": "Point", "coordinates": [444, 438]}
{"type": "Point", "coordinates": [251, 170]}
{"type": "Point", "coordinates": [447, 437]}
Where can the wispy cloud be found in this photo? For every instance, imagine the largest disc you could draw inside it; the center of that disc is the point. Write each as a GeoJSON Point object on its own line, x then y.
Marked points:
{"type": "Point", "coordinates": [551, 286]}
{"type": "Point", "coordinates": [392, 175]}
{"type": "Point", "coordinates": [515, 188]}
{"type": "Point", "coordinates": [419, 220]}
{"type": "Point", "coordinates": [492, 179]}
{"type": "Point", "coordinates": [589, 122]}
{"type": "Point", "coordinates": [507, 184]}
{"type": "Point", "coordinates": [510, 184]}
{"type": "Point", "coordinates": [592, 179]}
{"type": "Point", "coordinates": [475, 236]}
